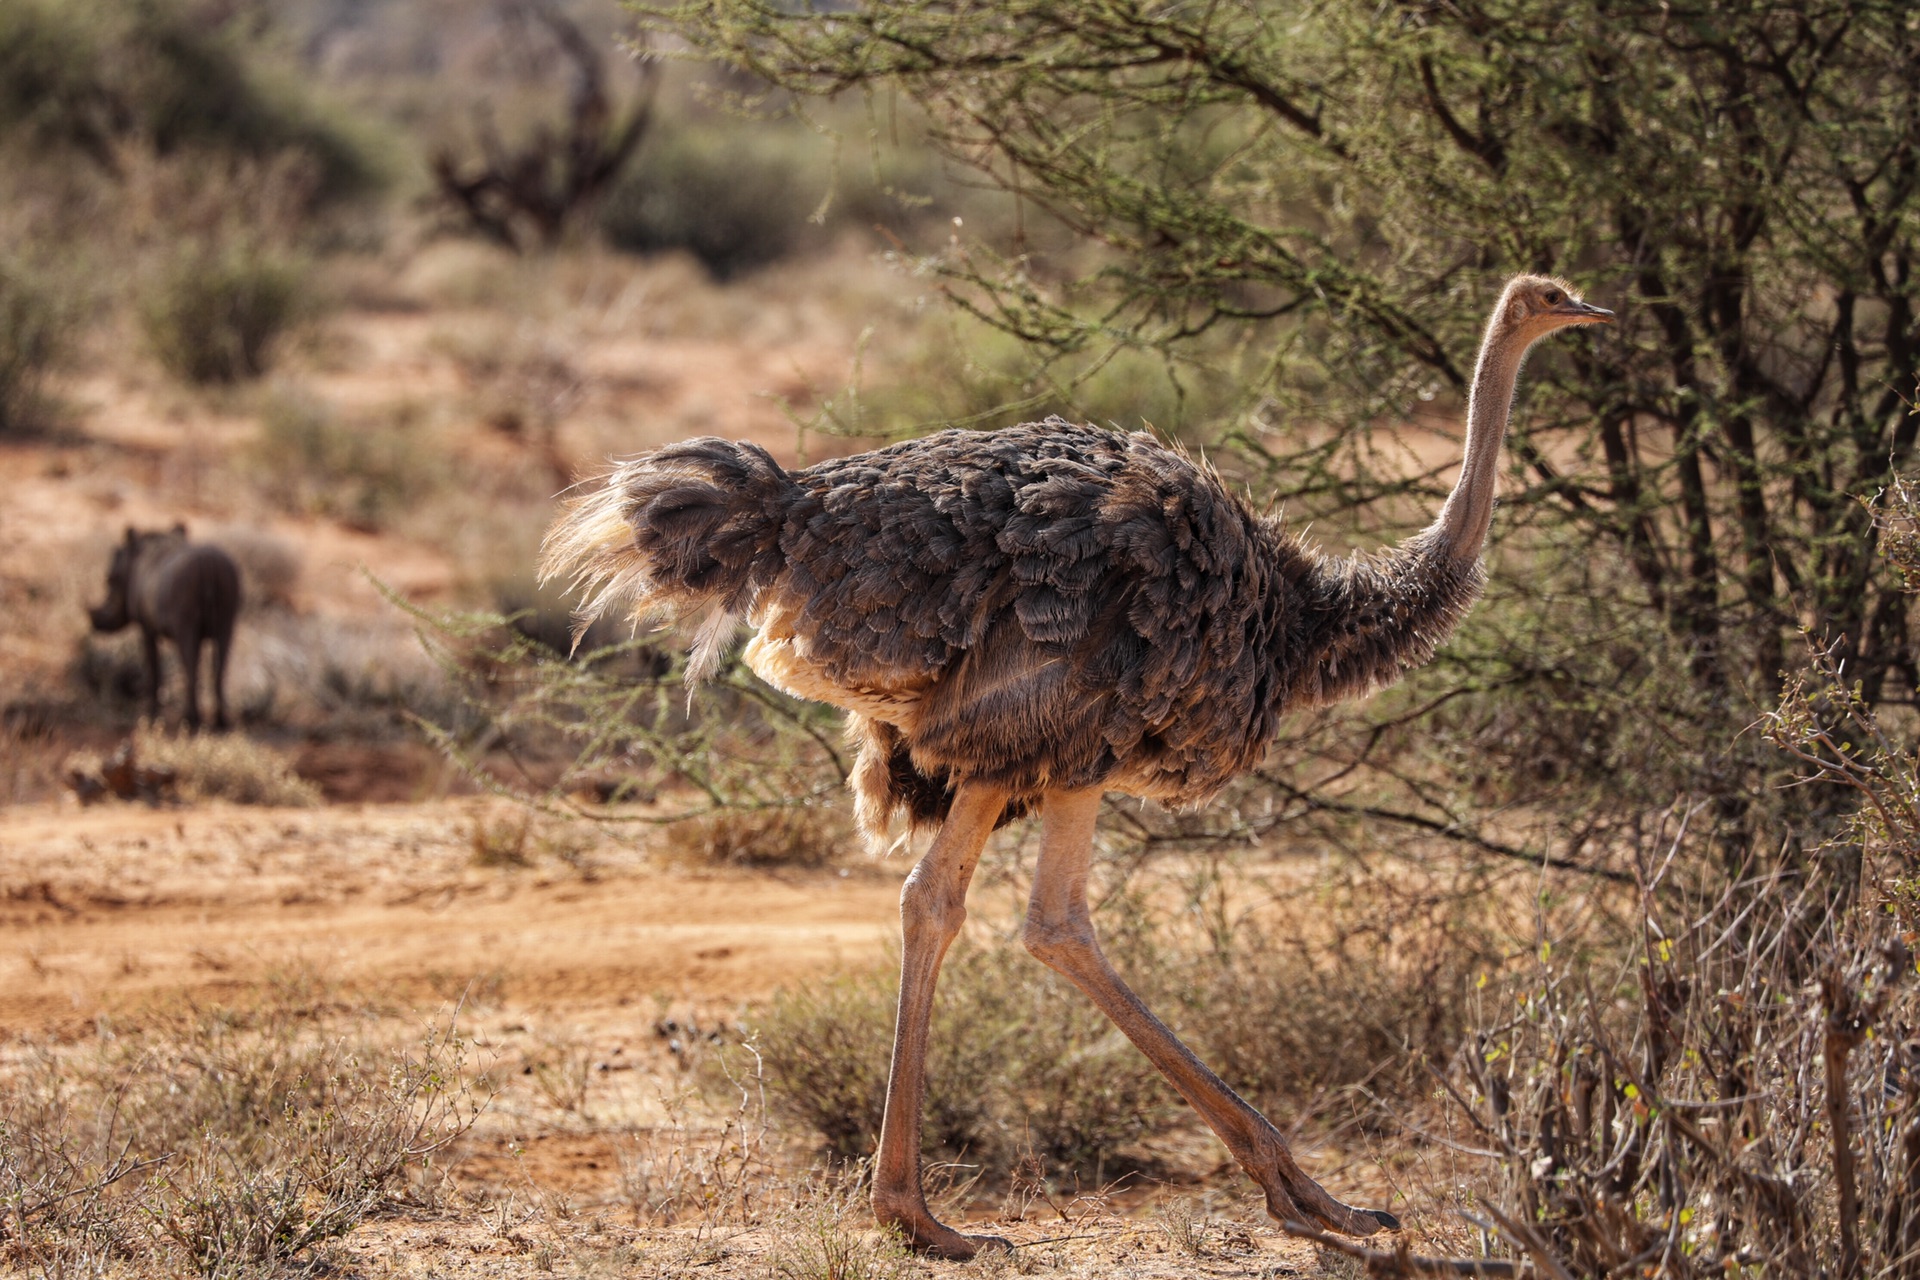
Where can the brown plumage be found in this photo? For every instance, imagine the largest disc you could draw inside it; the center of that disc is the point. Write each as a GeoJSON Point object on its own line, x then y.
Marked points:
{"type": "Point", "coordinates": [1046, 606]}
{"type": "Point", "coordinates": [1044, 612]}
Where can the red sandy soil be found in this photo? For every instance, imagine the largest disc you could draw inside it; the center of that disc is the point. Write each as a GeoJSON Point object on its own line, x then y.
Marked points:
{"type": "Point", "coordinates": [108, 909]}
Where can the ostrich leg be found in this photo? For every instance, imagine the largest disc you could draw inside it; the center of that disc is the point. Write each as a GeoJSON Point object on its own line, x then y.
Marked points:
{"type": "Point", "coordinates": [932, 909]}
{"type": "Point", "coordinates": [1059, 931]}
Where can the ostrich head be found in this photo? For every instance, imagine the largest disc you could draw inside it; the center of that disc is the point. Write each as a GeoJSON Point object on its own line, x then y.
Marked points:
{"type": "Point", "coordinates": [1534, 306]}
{"type": "Point", "coordinates": [1531, 308]}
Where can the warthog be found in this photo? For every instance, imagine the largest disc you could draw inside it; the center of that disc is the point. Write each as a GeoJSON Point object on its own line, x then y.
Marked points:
{"type": "Point", "coordinates": [189, 593]}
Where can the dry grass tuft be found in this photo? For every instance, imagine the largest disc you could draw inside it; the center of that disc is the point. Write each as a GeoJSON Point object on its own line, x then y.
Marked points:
{"type": "Point", "coordinates": [501, 841]}
{"type": "Point", "coordinates": [29, 765]}
{"type": "Point", "coordinates": [312, 461]}
{"type": "Point", "coordinates": [31, 331]}
{"type": "Point", "coordinates": [1342, 986]}
{"type": "Point", "coordinates": [1021, 1067]}
{"type": "Point", "coordinates": [787, 836]}
{"type": "Point", "coordinates": [229, 1142]}
{"type": "Point", "coordinates": [227, 766]}
{"type": "Point", "coordinates": [827, 1233]}
{"type": "Point", "coordinates": [155, 765]}
{"type": "Point", "coordinates": [1316, 1004]}
{"type": "Point", "coordinates": [562, 1069]}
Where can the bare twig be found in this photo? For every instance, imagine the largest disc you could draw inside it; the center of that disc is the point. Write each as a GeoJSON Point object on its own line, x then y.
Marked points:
{"type": "Point", "coordinates": [1402, 1262]}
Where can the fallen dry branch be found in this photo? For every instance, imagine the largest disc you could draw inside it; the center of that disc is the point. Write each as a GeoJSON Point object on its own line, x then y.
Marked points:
{"type": "Point", "coordinates": [1402, 1261]}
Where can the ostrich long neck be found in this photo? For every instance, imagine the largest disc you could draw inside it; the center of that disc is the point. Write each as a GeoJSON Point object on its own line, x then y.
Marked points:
{"type": "Point", "coordinates": [1373, 617]}
{"type": "Point", "coordinates": [1461, 528]}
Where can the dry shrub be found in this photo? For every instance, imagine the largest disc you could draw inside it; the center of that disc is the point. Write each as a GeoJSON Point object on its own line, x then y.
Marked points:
{"type": "Point", "coordinates": [1735, 1090]}
{"type": "Point", "coordinates": [363, 474]}
{"type": "Point", "coordinates": [1347, 983]}
{"type": "Point", "coordinates": [31, 330]}
{"type": "Point", "coordinates": [677, 1170]}
{"type": "Point", "coordinates": [1020, 1063]}
{"type": "Point", "coordinates": [361, 676]}
{"type": "Point", "coordinates": [224, 766]}
{"type": "Point", "coordinates": [1337, 990]}
{"type": "Point", "coordinates": [789, 836]}
{"type": "Point", "coordinates": [65, 1207]}
{"type": "Point", "coordinates": [226, 1143]}
{"type": "Point", "coordinates": [1738, 1094]}
{"type": "Point", "coordinates": [501, 841]}
{"type": "Point", "coordinates": [826, 1233]}
{"type": "Point", "coordinates": [562, 1069]}
{"type": "Point", "coordinates": [358, 676]}
{"type": "Point", "coordinates": [216, 314]}
{"type": "Point", "coordinates": [1194, 1233]}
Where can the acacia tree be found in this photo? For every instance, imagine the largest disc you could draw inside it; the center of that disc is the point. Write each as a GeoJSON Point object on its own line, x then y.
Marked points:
{"type": "Point", "coordinates": [1322, 200]}
{"type": "Point", "coordinates": [1739, 177]}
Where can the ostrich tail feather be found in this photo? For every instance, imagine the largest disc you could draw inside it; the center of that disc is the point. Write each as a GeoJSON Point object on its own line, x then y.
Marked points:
{"type": "Point", "coordinates": [590, 548]}
{"type": "Point", "coordinates": [689, 527]}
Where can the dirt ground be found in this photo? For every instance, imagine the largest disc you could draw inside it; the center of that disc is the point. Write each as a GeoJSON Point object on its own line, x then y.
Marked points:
{"type": "Point", "coordinates": [110, 909]}
{"type": "Point", "coordinates": [598, 962]}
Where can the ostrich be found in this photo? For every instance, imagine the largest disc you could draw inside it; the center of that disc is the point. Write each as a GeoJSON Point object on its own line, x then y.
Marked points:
{"type": "Point", "coordinates": [1030, 618]}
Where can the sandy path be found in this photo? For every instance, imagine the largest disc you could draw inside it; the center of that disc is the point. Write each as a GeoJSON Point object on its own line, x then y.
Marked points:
{"type": "Point", "coordinates": [119, 908]}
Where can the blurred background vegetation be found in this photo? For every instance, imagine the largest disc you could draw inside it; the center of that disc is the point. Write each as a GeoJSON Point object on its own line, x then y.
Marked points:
{"type": "Point", "coordinates": [1679, 729]}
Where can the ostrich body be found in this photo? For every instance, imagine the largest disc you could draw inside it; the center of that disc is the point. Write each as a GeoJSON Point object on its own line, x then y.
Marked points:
{"type": "Point", "coordinates": [1029, 618]}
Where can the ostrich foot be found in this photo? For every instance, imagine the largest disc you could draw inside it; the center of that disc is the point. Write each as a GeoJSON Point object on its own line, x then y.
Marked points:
{"type": "Point", "coordinates": [1305, 1201]}
{"type": "Point", "coordinates": [931, 1238]}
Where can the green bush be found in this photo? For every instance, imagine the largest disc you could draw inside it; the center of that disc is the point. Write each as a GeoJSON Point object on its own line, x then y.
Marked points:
{"type": "Point", "coordinates": [740, 193]}
{"type": "Point", "coordinates": [90, 75]}
{"type": "Point", "coordinates": [30, 331]}
{"type": "Point", "coordinates": [734, 198]}
{"type": "Point", "coordinates": [968, 373]}
{"type": "Point", "coordinates": [216, 315]}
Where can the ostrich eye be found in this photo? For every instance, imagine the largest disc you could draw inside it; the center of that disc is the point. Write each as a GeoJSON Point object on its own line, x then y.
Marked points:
{"type": "Point", "coordinates": [1553, 297]}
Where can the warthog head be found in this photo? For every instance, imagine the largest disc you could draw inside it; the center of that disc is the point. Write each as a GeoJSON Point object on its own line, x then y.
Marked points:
{"type": "Point", "coordinates": [115, 613]}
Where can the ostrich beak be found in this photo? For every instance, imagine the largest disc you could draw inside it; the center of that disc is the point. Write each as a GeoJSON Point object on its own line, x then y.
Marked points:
{"type": "Point", "coordinates": [1584, 313]}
